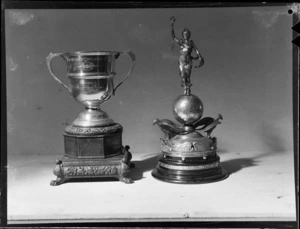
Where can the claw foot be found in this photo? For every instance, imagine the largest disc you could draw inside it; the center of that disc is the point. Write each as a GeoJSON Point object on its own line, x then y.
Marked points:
{"type": "Point", "coordinates": [126, 180]}
{"type": "Point", "coordinates": [56, 182]}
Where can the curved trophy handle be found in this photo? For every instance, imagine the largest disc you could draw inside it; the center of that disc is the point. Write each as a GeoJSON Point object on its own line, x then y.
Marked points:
{"type": "Point", "coordinates": [49, 60]}
{"type": "Point", "coordinates": [132, 57]}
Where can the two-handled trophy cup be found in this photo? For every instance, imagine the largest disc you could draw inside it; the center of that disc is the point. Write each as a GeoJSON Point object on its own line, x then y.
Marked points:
{"type": "Point", "coordinates": [93, 142]}
{"type": "Point", "coordinates": [188, 150]}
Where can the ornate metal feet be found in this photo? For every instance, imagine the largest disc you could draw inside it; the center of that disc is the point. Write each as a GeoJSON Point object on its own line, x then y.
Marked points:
{"type": "Point", "coordinates": [58, 171]}
{"type": "Point", "coordinates": [125, 166]}
{"type": "Point", "coordinates": [125, 180]}
{"type": "Point", "coordinates": [57, 182]}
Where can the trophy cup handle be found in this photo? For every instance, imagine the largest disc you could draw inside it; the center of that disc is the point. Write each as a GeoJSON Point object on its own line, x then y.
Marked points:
{"type": "Point", "coordinates": [49, 60]}
{"type": "Point", "coordinates": [132, 57]}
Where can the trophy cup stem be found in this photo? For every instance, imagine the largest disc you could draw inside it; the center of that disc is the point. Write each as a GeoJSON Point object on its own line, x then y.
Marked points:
{"type": "Point", "coordinates": [92, 117]}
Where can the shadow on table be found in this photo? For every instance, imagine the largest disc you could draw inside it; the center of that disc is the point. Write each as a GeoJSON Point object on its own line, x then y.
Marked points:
{"type": "Point", "coordinates": [90, 179]}
{"type": "Point", "coordinates": [235, 165]}
{"type": "Point", "coordinates": [143, 166]}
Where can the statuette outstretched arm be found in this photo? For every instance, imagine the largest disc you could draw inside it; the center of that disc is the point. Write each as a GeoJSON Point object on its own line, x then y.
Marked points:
{"type": "Point", "coordinates": [172, 30]}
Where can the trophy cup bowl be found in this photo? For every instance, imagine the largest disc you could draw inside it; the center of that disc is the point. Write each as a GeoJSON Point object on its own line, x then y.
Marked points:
{"type": "Point", "coordinates": [91, 82]}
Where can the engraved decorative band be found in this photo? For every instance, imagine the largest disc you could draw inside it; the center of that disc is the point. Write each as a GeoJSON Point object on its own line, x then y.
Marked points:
{"type": "Point", "coordinates": [93, 131]}
{"type": "Point", "coordinates": [91, 170]}
{"type": "Point", "coordinates": [193, 167]}
{"type": "Point", "coordinates": [188, 154]}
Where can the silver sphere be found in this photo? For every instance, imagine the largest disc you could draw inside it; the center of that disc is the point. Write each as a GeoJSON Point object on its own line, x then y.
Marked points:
{"type": "Point", "coordinates": [187, 109]}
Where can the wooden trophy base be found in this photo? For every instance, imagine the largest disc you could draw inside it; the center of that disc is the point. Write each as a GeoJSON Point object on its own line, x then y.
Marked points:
{"type": "Point", "coordinates": [191, 170]}
{"type": "Point", "coordinates": [93, 153]}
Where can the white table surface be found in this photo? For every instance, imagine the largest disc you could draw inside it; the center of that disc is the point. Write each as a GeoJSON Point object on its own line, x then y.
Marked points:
{"type": "Point", "coordinates": [260, 187]}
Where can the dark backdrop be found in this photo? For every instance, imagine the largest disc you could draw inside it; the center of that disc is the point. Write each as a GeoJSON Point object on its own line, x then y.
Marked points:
{"type": "Point", "coordinates": [247, 76]}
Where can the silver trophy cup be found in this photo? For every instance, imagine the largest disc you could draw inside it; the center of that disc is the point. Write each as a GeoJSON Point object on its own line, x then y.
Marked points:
{"type": "Point", "coordinates": [91, 82]}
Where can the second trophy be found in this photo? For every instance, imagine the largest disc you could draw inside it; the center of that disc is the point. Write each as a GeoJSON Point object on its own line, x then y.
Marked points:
{"type": "Point", "coordinates": [189, 153]}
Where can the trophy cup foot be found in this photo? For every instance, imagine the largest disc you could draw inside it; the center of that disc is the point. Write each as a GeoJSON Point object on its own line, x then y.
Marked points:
{"type": "Point", "coordinates": [92, 118]}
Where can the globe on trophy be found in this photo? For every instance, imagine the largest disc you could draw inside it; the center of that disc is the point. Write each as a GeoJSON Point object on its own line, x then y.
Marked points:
{"type": "Point", "coordinates": [93, 142]}
{"type": "Point", "coordinates": [189, 152]}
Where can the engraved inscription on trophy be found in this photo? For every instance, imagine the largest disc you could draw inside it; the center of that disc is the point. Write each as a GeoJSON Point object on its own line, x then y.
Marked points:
{"type": "Point", "coordinates": [89, 64]}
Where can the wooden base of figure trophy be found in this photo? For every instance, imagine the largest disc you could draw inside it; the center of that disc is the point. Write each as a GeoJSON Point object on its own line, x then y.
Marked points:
{"type": "Point", "coordinates": [189, 153]}
{"type": "Point", "coordinates": [93, 143]}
